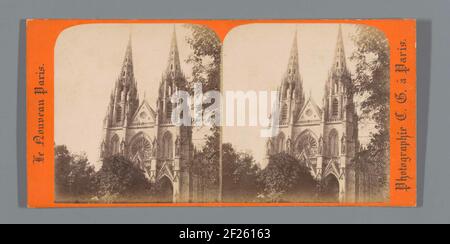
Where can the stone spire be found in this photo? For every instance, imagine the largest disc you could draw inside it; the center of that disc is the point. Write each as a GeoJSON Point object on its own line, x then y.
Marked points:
{"type": "Point", "coordinates": [339, 62]}
{"type": "Point", "coordinates": [292, 93]}
{"type": "Point", "coordinates": [338, 95]}
{"type": "Point", "coordinates": [173, 64]}
{"type": "Point", "coordinates": [124, 98]}
{"type": "Point", "coordinates": [173, 80]}
{"type": "Point", "coordinates": [292, 75]}
{"type": "Point", "coordinates": [126, 77]}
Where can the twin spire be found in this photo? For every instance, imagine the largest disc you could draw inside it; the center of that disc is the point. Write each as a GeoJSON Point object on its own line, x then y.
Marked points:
{"type": "Point", "coordinates": [339, 65]}
{"type": "Point", "coordinates": [292, 85]}
{"type": "Point", "coordinates": [173, 64]}
{"type": "Point", "coordinates": [339, 61]}
{"type": "Point", "coordinates": [124, 98]}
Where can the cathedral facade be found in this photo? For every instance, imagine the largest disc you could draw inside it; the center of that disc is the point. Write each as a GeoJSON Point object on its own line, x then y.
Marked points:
{"type": "Point", "coordinates": [324, 137]}
{"type": "Point", "coordinates": [146, 134]}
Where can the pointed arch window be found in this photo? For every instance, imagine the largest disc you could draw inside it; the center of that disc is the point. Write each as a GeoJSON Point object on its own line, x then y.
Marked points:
{"type": "Point", "coordinates": [169, 110]}
{"type": "Point", "coordinates": [284, 113]}
{"type": "Point", "coordinates": [280, 143]}
{"type": "Point", "coordinates": [167, 152]}
{"type": "Point", "coordinates": [333, 143]}
{"type": "Point", "coordinates": [335, 108]}
{"type": "Point", "coordinates": [115, 145]}
{"type": "Point", "coordinates": [119, 114]}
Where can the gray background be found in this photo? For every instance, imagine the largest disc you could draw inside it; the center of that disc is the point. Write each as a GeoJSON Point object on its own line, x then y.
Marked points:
{"type": "Point", "coordinates": [433, 106]}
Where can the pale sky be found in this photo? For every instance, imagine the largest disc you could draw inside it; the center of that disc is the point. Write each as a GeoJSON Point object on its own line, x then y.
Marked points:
{"type": "Point", "coordinates": [256, 57]}
{"type": "Point", "coordinates": [88, 60]}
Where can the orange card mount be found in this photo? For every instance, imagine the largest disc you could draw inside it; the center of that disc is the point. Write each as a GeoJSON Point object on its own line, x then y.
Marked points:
{"type": "Point", "coordinates": [221, 113]}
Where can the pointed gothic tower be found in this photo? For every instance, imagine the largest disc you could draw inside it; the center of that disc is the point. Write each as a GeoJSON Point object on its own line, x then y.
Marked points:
{"type": "Point", "coordinates": [148, 137]}
{"type": "Point", "coordinates": [338, 86]}
{"type": "Point", "coordinates": [292, 96]}
{"type": "Point", "coordinates": [341, 123]}
{"type": "Point", "coordinates": [124, 102]}
{"type": "Point", "coordinates": [291, 101]}
{"type": "Point", "coordinates": [176, 147]}
{"type": "Point", "coordinates": [324, 138]}
{"type": "Point", "coordinates": [173, 80]}
{"type": "Point", "coordinates": [124, 99]}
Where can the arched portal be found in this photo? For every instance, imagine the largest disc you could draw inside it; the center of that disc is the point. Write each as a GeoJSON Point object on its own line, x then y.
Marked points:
{"type": "Point", "coordinates": [330, 191]}
{"type": "Point", "coordinates": [165, 191]}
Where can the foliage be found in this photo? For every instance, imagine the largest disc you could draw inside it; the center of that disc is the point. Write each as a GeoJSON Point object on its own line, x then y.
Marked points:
{"type": "Point", "coordinates": [286, 179]}
{"type": "Point", "coordinates": [372, 84]}
{"type": "Point", "coordinates": [74, 176]}
{"type": "Point", "coordinates": [120, 178]}
{"type": "Point", "coordinates": [206, 57]}
{"type": "Point", "coordinates": [206, 62]}
{"type": "Point", "coordinates": [239, 175]}
{"type": "Point", "coordinates": [206, 163]}
{"type": "Point", "coordinates": [372, 75]}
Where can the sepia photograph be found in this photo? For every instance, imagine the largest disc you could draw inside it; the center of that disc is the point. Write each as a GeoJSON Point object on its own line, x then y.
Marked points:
{"type": "Point", "coordinates": [329, 121]}
{"type": "Point", "coordinates": [115, 137]}
{"type": "Point", "coordinates": [303, 114]}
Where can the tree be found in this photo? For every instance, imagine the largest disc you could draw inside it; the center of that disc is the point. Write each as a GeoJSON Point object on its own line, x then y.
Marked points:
{"type": "Point", "coordinates": [206, 163]}
{"type": "Point", "coordinates": [206, 63]}
{"type": "Point", "coordinates": [211, 154]}
{"type": "Point", "coordinates": [286, 179]}
{"type": "Point", "coordinates": [239, 176]}
{"type": "Point", "coordinates": [119, 179]}
{"type": "Point", "coordinates": [74, 175]}
{"type": "Point", "coordinates": [206, 57]}
{"type": "Point", "coordinates": [63, 160]}
{"type": "Point", "coordinates": [82, 177]}
{"type": "Point", "coordinates": [372, 84]}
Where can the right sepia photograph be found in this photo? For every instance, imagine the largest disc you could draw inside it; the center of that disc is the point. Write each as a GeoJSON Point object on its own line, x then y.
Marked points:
{"type": "Point", "coordinates": [307, 114]}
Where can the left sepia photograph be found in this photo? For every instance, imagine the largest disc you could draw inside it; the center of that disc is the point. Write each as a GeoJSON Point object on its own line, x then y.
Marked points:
{"type": "Point", "coordinates": [116, 136]}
